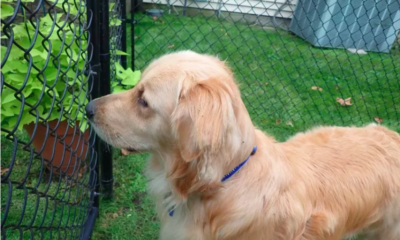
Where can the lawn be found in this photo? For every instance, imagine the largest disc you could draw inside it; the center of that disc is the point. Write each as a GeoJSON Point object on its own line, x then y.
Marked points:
{"type": "Point", "coordinates": [287, 84]}
{"type": "Point", "coordinates": [276, 71]}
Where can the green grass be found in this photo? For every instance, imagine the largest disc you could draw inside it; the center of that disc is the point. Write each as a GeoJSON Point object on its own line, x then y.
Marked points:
{"type": "Point", "coordinates": [130, 215]}
{"type": "Point", "coordinates": [276, 71]}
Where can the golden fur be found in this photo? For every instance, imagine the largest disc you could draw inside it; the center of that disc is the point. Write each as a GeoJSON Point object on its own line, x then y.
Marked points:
{"type": "Point", "coordinates": [325, 184]}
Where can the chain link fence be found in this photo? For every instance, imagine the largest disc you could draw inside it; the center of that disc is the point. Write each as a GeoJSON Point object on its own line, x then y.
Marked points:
{"type": "Point", "coordinates": [48, 162]}
{"type": "Point", "coordinates": [116, 32]}
{"type": "Point", "coordinates": [299, 62]}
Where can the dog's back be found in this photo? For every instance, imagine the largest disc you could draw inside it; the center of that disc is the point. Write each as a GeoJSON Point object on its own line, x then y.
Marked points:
{"type": "Point", "coordinates": [352, 179]}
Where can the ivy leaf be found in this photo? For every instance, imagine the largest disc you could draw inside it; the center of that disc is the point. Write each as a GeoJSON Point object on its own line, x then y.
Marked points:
{"type": "Point", "coordinates": [36, 84]}
{"type": "Point", "coordinates": [114, 83]}
{"type": "Point", "coordinates": [120, 71]}
{"type": "Point", "coordinates": [67, 100]}
{"type": "Point", "coordinates": [16, 79]}
{"type": "Point", "coordinates": [26, 119]}
{"type": "Point", "coordinates": [132, 78]}
{"type": "Point", "coordinates": [82, 99]}
{"type": "Point", "coordinates": [50, 73]}
{"type": "Point", "coordinates": [52, 92]}
{"type": "Point", "coordinates": [110, 6]}
{"type": "Point", "coordinates": [115, 22]}
{"type": "Point", "coordinates": [71, 75]}
{"type": "Point", "coordinates": [7, 68]}
{"type": "Point", "coordinates": [118, 89]}
{"type": "Point", "coordinates": [119, 52]}
{"type": "Point", "coordinates": [44, 55]}
{"type": "Point", "coordinates": [20, 66]}
{"type": "Point", "coordinates": [7, 96]}
{"type": "Point", "coordinates": [83, 125]}
{"type": "Point", "coordinates": [6, 10]}
{"type": "Point", "coordinates": [8, 109]}
{"type": "Point", "coordinates": [15, 53]}
{"type": "Point", "coordinates": [27, 91]}
{"type": "Point", "coordinates": [35, 53]}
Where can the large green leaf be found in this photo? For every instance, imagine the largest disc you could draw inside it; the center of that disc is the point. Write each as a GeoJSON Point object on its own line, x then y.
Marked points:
{"type": "Point", "coordinates": [118, 89]}
{"type": "Point", "coordinates": [16, 66]}
{"type": "Point", "coordinates": [132, 78]}
{"type": "Point", "coordinates": [115, 22]}
{"type": "Point", "coordinates": [15, 53]}
{"type": "Point", "coordinates": [7, 96]}
{"type": "Point", "coordinates": [7, 109]}
{"type": "Point", "coordinates": [111, 6]}
{"type": "Point", "coordinates": [119, 52]}
{"type": "Point", "coordinates": [6, 10]}
{"type": "Point", "coordinates": [50, 73]}
{"type": "Point", "coordinates": [16, 79]}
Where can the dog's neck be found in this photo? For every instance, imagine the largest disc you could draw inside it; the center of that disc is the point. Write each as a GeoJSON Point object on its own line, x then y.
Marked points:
{"type": "Point", "coordinates": [203, 175]}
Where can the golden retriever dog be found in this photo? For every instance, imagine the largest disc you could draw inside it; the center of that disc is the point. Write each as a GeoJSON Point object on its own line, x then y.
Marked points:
{"type": "Point", "coordinates": [209, 181]}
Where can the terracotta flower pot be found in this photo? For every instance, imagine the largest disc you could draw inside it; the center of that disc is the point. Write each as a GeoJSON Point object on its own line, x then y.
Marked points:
{"type": "Point", "coordinates": [78, 146]}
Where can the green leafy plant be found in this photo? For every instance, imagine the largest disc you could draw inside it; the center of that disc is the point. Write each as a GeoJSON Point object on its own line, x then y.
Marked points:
{"type": "Point", "coordinates": [127, 77]}
{"type": "Point", "coordinates": [50, 77]}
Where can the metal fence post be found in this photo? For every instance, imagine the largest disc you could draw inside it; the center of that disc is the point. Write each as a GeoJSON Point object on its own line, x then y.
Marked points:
{"type": "Point", "coordinates": [103, 87]}
{"type": "Point", "coordinates": [133, 6]}
{"type": "Point", "coordinates": [123, 34]}
{"type": "Point", "coordinates": [94, 74]}
{"type": "Point", "coordinates": [94, 53]}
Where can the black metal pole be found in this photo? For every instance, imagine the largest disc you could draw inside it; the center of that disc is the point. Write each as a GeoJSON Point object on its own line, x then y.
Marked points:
{"type": "Point", "coordinates": [133, 2]}
{"type": "Point", "coordinates": [123, 35]}
{"type": "Point", "coordinates": [94, 78]}
{"type": "Point", "coordinates": [105, 151]}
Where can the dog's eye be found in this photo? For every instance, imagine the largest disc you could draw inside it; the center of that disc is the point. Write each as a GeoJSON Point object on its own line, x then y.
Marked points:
{"type": "Point", "coordinates": [143, 102]}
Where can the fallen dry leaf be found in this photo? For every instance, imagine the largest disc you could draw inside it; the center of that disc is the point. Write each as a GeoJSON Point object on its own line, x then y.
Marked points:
{"type": "Point", "coordinates": [278, 121]}
{"type": "Point", "coordinates": [120, 210]}
{"type": "Point", "coordinates": [337, 87]}
{"type": "Point", "coordinates": [171, 46]}
{"type": "Point", "coordinates": [290, 123]}
{"type": "Point", "coordinates": [345, 102]}
{"type": "Point", "coordinates": [154, 18]}
{"type": "Point", "coordinates": [266, 83]}
{"type": "Point", "coordinates": [316, 88]}
{"type": "Point", "coordinates": [4, 170]}
{"type": "Point", "coordinates": [115, 215]}
{"type": "Point", "coordinates": [378, 120]}
{"type": "Point", "coordinates": [124, 152]}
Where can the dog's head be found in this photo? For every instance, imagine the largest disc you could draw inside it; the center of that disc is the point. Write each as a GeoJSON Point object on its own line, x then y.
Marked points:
{"type": "Point", "coordinates": [186, 103]}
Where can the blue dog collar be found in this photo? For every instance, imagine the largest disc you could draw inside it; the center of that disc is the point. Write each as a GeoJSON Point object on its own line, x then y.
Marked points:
{"type": "Point", "coordinates": [226, 177]}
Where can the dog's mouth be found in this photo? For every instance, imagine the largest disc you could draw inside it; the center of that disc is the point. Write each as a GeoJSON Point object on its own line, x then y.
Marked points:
{"type": "Point", "coordinates": [131, 150]}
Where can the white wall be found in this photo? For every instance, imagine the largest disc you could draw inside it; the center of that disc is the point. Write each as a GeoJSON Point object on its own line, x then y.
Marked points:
{"type": "Point", "coordinates": [254, 7]}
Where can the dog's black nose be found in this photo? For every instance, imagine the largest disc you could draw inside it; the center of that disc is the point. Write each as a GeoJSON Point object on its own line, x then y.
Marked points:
{"type": "Point", "coordinates": [90, 109]}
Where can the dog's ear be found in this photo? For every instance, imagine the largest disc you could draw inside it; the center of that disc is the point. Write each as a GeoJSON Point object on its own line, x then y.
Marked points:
{"type": "Point", "coordinates": [202, 117]}
{"type": "Point", "coordinates": [202, 121]}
